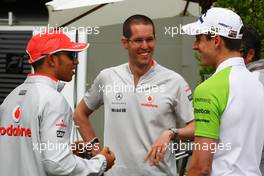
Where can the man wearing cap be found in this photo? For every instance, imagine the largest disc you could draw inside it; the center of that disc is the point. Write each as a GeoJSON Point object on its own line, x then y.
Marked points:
{"type": "Point", "coordinates": [142, 101]}
{"type": "Point", "coordinates": [36, 120]}
{"type": "Point", "coordinates": [229, 106]}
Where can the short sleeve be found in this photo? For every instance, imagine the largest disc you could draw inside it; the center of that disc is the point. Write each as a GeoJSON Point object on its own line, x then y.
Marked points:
{"type": "Point", "coordinates": [209, 102]}
{"type": "Point", "coordinates": [206, 112]}
{"type": "Point", "coordinates": [93, 98]}
{"type": "Point", "coordinates": [183, 104]}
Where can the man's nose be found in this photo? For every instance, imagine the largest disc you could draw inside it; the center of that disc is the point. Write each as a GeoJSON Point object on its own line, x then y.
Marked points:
{"type": "Point", "coordinates": [195, 46]}
{"type": "Point", "coordinates": [144, 44]}
{"type": "Point", "coordinates": [75, 61]}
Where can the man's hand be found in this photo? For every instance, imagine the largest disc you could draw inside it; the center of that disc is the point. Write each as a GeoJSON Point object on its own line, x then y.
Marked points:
{"type": "Point", "coordinates": [110, 157]}
{"type": "Point", "coordinates": [85, 149]}
{"type": "Point", "coordinates": [158, 149]}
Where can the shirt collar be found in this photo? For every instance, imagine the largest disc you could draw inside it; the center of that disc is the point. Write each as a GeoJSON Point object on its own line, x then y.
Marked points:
{"type": "Point", "coordinates": [233, 61]}
{"type": "Point", "coordinates": [152, 68]}
{"type": "Point", "coordinates": [45, 79]}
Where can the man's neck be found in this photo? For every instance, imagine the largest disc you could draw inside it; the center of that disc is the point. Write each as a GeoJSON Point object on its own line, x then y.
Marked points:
{"type": "Point", "coordinates": [139, 71]}
{"type": "Point", "coordinates": [46, 72]}
{"type": "Point", "coordinates": [224, 56]}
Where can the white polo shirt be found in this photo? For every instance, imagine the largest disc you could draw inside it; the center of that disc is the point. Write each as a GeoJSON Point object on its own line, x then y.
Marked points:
{"type": "Point", "coordinates": [229, 107]}
{"type": "Point", "coordinates": [136, 117]}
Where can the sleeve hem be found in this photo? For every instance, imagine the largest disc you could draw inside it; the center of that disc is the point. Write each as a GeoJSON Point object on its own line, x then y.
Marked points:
{"type": "Point", "coordinates": [207, 135]}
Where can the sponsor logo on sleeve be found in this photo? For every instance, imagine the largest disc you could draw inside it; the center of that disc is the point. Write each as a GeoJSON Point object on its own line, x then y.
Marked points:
{"type": "Point", "coordinates": [202, 120]}
{"type": "Point", "coordinates": [61, 123]}
{"type": "Point", "coordinates": [190, 97]}
{"type": "Point", "coordinates": [60, 133]}
{"type": "Point", "coordinates": [201, 111]}
{"type": "Point", "coordinates": [203, 100]}
{"type": "Point", "coordinates": [22, 92]}
{"type": "Point", "coordinates": [189, 93]}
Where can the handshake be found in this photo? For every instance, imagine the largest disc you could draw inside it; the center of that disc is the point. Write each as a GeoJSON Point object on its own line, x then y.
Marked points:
{"type": "Point", "coordinates": [87, 150]}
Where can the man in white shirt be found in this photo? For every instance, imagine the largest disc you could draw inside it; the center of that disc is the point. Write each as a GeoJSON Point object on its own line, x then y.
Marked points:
{"type": "Point", "coordinates": [229, 106]}
{"type": "Point", "coordinates": [142, 101]}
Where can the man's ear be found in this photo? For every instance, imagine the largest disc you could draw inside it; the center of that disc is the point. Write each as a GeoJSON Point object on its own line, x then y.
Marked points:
{"type": "Point", "coordinates": [51, 60]}
{"type": "Point", "coordinates": [124, 42]}
{"type": "Point", "coordinates": [218, 41]}
{"type": "Point", "coordinates": [250, 55]}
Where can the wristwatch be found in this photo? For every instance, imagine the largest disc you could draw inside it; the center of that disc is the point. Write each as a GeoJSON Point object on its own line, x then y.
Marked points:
{"type": "Point", "coordinates": [175, 132]}
{"type": "Point", "coordinates": [94, 141]}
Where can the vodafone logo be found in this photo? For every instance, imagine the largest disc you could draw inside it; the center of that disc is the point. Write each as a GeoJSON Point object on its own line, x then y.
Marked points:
{"type": "Point", "coordinates": [149, 103]}
{"type": "Point", "coordinates": [15, 131]}
{"type": "Point", "coordinates": [149, 99]}
{"type": "Point", "coordinates": [16, 114]}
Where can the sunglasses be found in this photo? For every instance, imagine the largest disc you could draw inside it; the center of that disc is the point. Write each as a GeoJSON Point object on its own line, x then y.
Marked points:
{"type": "Point", "coordinates": [71, 54]}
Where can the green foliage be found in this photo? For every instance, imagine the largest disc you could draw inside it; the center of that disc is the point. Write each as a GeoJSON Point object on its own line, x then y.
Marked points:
{"type": "Point", "coordinates": [251, 12]}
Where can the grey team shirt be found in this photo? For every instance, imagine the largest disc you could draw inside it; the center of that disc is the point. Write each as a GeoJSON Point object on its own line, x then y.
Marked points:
{"type": "Point", "coordinates": [136, 116]}
{"type": "Point", "coordinates": [35, 127]}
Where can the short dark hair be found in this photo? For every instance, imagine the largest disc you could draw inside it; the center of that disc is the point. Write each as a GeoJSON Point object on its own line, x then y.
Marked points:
{"type": "Point", "coordinates": [251, 40]}
{"type": "Point", "coordinates": [136, 19]}
{"type": "Point", "coordinates": [232, 44]}
{"type": "Point", "coordinates": [38, 63]}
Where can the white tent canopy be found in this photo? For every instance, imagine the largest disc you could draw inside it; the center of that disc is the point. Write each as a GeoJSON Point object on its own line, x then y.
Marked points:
{"type": "Point", "coordinates": [70, 4]}
{"type": "Point", "coordinates": [62, 11]}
